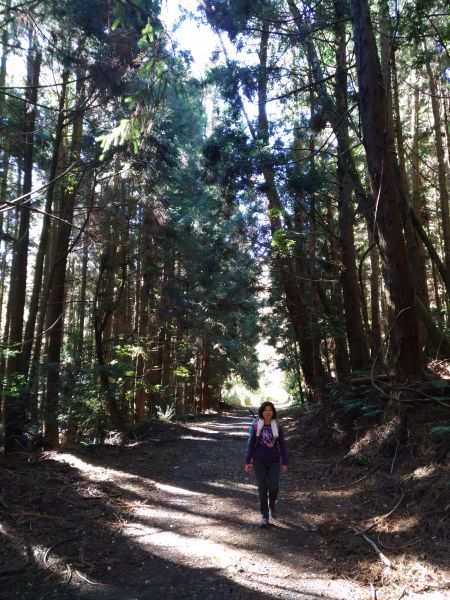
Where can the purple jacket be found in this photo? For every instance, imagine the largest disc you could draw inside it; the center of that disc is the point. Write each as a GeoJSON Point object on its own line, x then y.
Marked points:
{"type": "Point", "coordinates": [266, 449]}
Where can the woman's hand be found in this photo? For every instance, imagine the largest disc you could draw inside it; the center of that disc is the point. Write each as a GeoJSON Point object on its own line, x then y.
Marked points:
{"type": "Point", "coordinates": [284, 468]}
{"type": "Point", "coordinates": [248, 468]}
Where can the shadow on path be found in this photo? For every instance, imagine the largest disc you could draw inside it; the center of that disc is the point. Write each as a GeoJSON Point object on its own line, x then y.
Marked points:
{"type": "Point", "coordinates": [170, 515]}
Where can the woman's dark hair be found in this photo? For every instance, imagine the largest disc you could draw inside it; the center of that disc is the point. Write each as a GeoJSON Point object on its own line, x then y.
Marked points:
{"type": "Point", "coordinates": [263, 406]}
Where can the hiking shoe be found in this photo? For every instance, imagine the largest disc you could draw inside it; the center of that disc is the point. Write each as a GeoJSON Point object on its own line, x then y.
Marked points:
{"type": "Point", "coordinates": [264, 523]}
{"type": "Point", "coordinates": [273, 513]}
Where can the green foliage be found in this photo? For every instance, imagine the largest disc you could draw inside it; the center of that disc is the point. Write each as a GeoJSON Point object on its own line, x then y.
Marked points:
{"type": "Point", "coordinates": [441, 429]}
{"type": "Point", "coordinates": [275, 213]}
{"type": "Point", "coordinates": [282, 242]}
{"type": "Point", "coordinates": [167, 413]}
{"type": "Point", "coordinates": [148, 37]}
{"type": "Point", "coordinates": [440, 384]}
{"type": "Point", "coordinates": [354, 399]}
{"type": "Point", "coordinates": [182, 372]}
{"type": "Point", "coordinates": [234, 16]}
{"type": "Point", "coordinates": [122, 133]}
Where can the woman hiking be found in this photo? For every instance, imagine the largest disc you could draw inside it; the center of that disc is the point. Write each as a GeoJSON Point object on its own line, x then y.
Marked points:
{"type": "Point", "coordinates": [265, 450]}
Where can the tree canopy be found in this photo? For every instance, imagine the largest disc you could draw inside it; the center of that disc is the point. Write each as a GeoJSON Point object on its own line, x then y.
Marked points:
{"type": "Point", "coordinates": [155, 226]}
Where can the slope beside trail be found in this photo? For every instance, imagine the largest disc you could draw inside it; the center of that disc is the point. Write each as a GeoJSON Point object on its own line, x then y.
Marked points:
{"type": "Point", "coordinates": [172, 516]}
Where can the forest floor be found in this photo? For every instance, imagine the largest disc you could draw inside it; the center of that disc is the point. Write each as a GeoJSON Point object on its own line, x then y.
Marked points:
{"type": "Point", "coordinates": [173, 515]}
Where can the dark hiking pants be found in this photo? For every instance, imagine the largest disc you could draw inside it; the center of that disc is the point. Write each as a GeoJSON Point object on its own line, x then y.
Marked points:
{"type": "Point", "coordinates": [268, 477]}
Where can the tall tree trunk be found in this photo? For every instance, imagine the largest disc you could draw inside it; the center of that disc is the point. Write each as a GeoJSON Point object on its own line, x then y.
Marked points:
{"type": "Point", "coordinates": [373, 100]}
{"type": "Point", "coordinates": [359, 351]}
{"type": "Point", "coordinates": [145, 327]}
{"type": "Point", "coordinates": [104, 305]}
{"type": "Point", "coordinates": [55, 309]}
{"type": "Point", "coordinates": [46, 223]}
{"type": "Point", "coordinates": [417, 203]}
{"type": "Point", "coordinates": [313, 326]}
{"type": "Point", "coordinates": [440, 155]}
{"type": "Point", "coordinates": [14, 408]}
{"type": "Point", "coordinates": [414, 246]}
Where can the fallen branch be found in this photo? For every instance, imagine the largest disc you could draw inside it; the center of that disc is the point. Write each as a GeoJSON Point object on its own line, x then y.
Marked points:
{"type": "Point", "coordinates": [69, 576]}
{"type": "Point", "coordinates": [384, 559]}
{"type": "Point", "coordinates": [377, 520]}
{"type": "Point", "coordinates": [47, 552]}
{"type": "Point", "coordinates": [395, 508]}
{"type": "Point", "coordinates": [380, 518]}
{"type": "Point", "coordinates": [395, 456]}
{"type": "Point", "coordinates": [367, 529]}
{"type": "Point", "coordinates": [403, 592]}
{"type": "Point", "coordinates": [88, 580]}
{"type": "Point", "coordinates": [341, 487]}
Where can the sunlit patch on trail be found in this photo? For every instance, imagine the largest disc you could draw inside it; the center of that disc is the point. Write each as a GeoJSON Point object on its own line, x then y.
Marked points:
{"type": "Point", "coordinates": [339, 493]}
{"type": "Point", "coordinates": [236, 486]}
{"type": "Point", "coordinates": [228, 426]}
{"type": "Point", "coordinates": [209, 530]}
{"type": "Point", "coordinates": [120, 478]}
{"type": "Point", "coordinates": [197, 439]}
{"type": "Point", "coordinates": [210, 548]}
{"type": "Point", "coordinates": [201, 429]}
{"type": "Point", "coordinates": [177, 491]}
{"type": "Point", "coordinates": [93, 472]}
{"type": "Point", "coordinates": [424, 472]}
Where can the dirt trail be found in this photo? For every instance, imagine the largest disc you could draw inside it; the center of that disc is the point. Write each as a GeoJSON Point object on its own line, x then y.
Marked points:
{"type": "Point", "coordinates": [172, 516]}
{"type": "Point", "coordinates": [193, 529]}
{"type": "Point", "coordinates": [204, 518]}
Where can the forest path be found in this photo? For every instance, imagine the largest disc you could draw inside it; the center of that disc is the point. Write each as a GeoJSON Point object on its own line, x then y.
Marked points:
{"type": "Point", "coordinates": [196, 533]}
{"type": "Point", "coordinates": [170, 516]}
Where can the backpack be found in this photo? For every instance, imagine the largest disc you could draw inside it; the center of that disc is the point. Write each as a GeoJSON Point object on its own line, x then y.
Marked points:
{"type": "Point", "coordinates": [253, 425]}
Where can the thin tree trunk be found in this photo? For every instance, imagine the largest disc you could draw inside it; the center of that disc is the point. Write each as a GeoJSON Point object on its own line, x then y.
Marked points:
{"type": "Point", "coordinates": [206, 400]}
{"type": "Point", "coordinates": [4, 229]}
{"type": "Point", "coordinates": [82, 311]}
{"type": "Point", "coordinates": [375, 301]}
{"type": "Point", "coordinates": [417, 202]}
